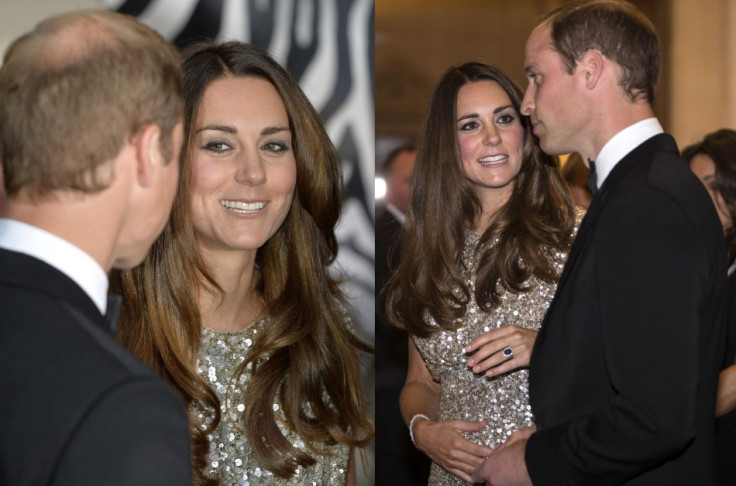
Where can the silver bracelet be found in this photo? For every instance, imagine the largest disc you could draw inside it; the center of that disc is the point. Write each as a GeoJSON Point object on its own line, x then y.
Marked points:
{"type": "Point", "coordinates": [411, 425]}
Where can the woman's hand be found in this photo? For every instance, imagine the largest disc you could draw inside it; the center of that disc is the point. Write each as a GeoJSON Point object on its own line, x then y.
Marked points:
{"type": "Point", "coordinates": [443, 442]}
{"type": "Point", "coordinates": [490, 351]}
{"type": "Point", "coordinates": [726, 397]}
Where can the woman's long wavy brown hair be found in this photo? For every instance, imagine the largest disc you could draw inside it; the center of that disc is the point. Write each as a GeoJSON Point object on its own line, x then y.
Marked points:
{"type": "Point", "coordinates": [306, 357]}
{"type": "Point", "coordinates": [537, 219]}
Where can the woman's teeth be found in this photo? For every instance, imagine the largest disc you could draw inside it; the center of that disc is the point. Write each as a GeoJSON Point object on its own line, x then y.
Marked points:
{"type": "Point", "coordinates": [243, 207]}
{"type": "Point", "coordinates": [493, 160]}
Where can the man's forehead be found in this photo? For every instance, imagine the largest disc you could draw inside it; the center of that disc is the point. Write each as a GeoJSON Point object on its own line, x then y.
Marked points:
{"type": "Point", "coordinates": [540, 37]}
{"type": "Point", "coordinates": [539, 42]}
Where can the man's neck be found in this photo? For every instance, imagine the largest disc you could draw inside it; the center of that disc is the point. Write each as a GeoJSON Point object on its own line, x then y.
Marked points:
{"type": "Point", "coordinates": [86, 222]}
{"type": "Point", "coordinates": [615, 119]}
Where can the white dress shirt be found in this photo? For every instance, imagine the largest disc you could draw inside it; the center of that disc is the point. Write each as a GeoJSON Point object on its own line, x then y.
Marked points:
{"type": "Point", "coordinates": [622, 143]}
{"type": "Point", "coordinates": [60, 254]}
{"type": "Point", "coordinates": [401, 217]}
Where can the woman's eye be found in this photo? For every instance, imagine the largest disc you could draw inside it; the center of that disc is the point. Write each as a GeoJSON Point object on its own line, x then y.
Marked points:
{"type": "Point", "coordinates": [276, 147]}
{"type": "Point", "coordinates": [216, 147]}
{"type": "Point", "coordinates": [469, 126]}
{"type": "Point", "coordinates": [506, 119]}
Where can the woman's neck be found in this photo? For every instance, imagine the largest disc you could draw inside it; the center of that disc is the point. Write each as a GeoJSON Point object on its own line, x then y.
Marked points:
{"type": "Point", "coordinates": [491, 203]}
{"type": "Point", "coordinates": [239, 305]}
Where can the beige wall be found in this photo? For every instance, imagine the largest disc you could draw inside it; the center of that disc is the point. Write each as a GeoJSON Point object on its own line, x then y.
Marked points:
{"type": "Point", "coordinates": [703, 68]}
{"type": "Point", "coordinates": [19, 16]}
{"type": "Point", "coordinates": [417, 39]}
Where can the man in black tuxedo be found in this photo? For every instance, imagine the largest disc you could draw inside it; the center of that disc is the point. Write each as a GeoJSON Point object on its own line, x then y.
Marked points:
{"type": "Point", "coordinates": [90, 132]}
{"type": "Point", "coordinates": [624, 371]}
{"type": "Point", "coordinates": [390, 214]}
{"type": "Point", "coordinates": [398, 462]}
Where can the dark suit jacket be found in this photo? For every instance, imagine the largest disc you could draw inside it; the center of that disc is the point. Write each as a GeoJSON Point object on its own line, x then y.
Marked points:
{"type": "Point", "coordinates": [726, 424]}
{"type": "Point", "coordinates": [398, 462]}
{"type": "Point", "coordinates": [624, 371]}
{"type": "Point", "coordinates": [730, 353]}
{"type": "Point", "coordinates": [75, 407]}
{"type": "Point", "coordinates": [391, 343]}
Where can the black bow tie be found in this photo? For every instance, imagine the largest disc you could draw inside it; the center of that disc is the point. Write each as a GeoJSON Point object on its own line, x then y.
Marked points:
{"type": "Point", "coordinates": [114, 302]}
{"type": "Point", "coordinates": [592, 177]}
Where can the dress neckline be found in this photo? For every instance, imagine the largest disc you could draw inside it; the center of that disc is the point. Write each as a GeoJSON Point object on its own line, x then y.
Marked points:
{"type": "Point", "coordinates": [246, 330]}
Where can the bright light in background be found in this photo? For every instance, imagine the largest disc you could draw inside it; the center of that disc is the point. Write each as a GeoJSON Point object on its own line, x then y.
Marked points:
{"type": "Point", "coordinates": [380, 188]}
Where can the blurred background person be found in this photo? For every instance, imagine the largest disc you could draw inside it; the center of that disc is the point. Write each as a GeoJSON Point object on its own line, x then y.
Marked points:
{"type": "Point", "coordinates": [390, 216]}
{"type": "Point", "coordinates": [391, 211]}
{"type": "Point", "coordinates": [398, 462]}
{"type": "Point", "coordinates": [484, 199]}
{"type": "Point", "coordinates": [713, 160]}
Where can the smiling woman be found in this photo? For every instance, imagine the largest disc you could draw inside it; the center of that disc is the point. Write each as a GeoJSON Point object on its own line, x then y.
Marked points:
{"type": "Point", "coordinates": [235, 305]}
{"type": "Point", "coordinates": [243, 172]}
{"type": "Point", "coordinates": [491, 140]}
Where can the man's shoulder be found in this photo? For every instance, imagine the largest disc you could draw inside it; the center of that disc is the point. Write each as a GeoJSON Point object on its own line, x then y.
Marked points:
{"type": "Point", "coordinates": [49, 341]}
{"type": "Point", "coordinates": [39, 324]}
{"type": "Point", "coordinates": [49, 326]}
{"type": "Point", "coordinates": [60, 349]}
{"type": "Point", "coordinates": [62, 375]}
{"type": "Point", "coordinates": [657, 166]}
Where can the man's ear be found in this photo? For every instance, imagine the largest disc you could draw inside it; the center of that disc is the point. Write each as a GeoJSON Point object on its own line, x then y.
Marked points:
{"type": "Point", "coordinates": [148, 153]}
{"type": "Point", "coordinates": [592, 65]}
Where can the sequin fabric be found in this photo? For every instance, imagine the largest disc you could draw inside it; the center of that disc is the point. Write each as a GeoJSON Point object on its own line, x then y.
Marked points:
{"type": "Point", "coordinates": [231, 458]}
{"type": "Point", "coordinates": [502, 401]}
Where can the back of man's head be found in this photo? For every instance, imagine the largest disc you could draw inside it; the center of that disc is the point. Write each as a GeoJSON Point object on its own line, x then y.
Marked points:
{"type": "Point", "coordinates": [73, 91]}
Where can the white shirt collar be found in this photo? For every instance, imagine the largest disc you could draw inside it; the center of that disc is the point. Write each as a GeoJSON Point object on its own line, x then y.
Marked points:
{"type": "Point", "coordinates": [622, 143]}
{"type": "Point", "coordinates": [401, 217]}
{"type": "Point", "coordinates": [60, 254]}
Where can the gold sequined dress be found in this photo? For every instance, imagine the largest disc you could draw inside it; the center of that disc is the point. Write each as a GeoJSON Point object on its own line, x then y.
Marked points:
{"type": "Point", "coordinates": [231, 458]}
{"type": "Point", "coordinates": [502, 401]}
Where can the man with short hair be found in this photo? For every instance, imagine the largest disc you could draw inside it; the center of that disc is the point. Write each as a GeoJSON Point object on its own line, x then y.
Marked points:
{"type": "Point", "coordinates": [390, 214]}
{"type": "Point", "coordinates": [624, 371]}
{"type": "Point", "coordinates": [90, 134]}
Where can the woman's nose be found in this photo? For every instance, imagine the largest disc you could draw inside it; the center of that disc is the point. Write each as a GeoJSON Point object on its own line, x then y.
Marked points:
{"type": "Point", "coordinates": [250, 170]}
